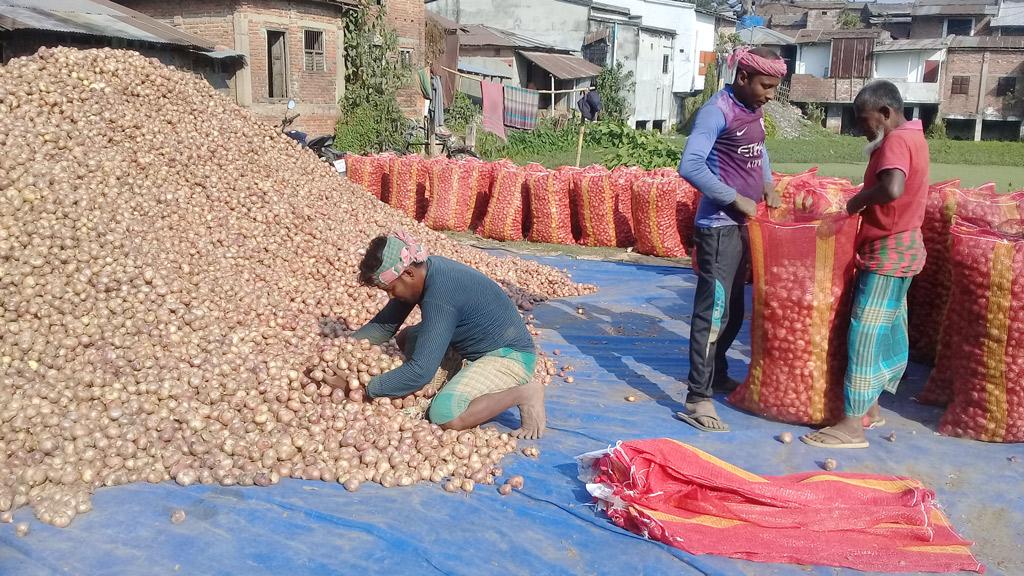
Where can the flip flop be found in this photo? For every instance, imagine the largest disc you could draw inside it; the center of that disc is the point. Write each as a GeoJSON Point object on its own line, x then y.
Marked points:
{"type": "Point", "coordinates": [691, 419]}
{"type": "Point", "coordinates": [845, 441]}
{"type": "Point", "coordinates": [869, 424]}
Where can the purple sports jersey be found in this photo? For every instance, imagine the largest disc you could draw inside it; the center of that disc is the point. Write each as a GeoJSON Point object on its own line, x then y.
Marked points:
{"type": "Point", "coordinates": [724, 156]}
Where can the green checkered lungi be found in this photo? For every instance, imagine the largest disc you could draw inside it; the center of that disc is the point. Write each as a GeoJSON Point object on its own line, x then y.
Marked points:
{"type": "Point", "coordinates": [497, 371]}
{"type": "Point", "coordinates": [878, 344]}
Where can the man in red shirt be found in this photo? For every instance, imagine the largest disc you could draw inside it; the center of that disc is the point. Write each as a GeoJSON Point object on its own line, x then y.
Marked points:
{"type": "Point", "coordinates": [890, 252]}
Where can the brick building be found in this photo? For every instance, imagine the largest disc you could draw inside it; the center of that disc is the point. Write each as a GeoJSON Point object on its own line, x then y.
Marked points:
{"type": "Point", "coordinates": [983, 87]}
{"type": "Point", "coordinates": [294, 49]}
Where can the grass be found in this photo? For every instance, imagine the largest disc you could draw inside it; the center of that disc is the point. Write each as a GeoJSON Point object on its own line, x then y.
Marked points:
{"type": "Point", "coordinates": [1007, 178]}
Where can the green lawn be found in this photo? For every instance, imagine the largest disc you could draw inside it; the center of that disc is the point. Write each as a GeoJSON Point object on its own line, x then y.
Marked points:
{"type": "Point", "coordinates": [1007, 178]}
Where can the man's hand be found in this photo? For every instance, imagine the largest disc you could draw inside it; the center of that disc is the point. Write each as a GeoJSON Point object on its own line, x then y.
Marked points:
{"type": "Point", "coordinates": [771, 197]}
{"type": "Point", "coordinates": [745, 205]}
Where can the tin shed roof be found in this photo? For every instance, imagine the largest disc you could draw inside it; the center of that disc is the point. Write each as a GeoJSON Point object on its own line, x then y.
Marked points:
{"type": "Point", "coordinates": [563, 66]}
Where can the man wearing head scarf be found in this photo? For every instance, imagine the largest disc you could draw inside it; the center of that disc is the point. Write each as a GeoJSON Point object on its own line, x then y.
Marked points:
{"type": "Point", "coordinates": [725, 159]}
{"type": "Point", "coordinates": [463, 311]}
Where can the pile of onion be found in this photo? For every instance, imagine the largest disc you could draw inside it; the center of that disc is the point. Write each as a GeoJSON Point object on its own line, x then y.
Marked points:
{"type": "Point", "coordinates": [173, 272]}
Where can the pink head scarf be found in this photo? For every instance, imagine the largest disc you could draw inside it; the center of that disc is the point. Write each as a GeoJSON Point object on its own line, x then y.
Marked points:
{"type": "Point", "coordinates": [742, 58]}
{"type": "Point", "coordinates": [400, 252]}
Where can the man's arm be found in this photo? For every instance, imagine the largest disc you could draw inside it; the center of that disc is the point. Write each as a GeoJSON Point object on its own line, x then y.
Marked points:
{"type": "Point", "coordinates": [893, 165]}
{"type": "Point", "coordinates": [889, 187]}
{"type": "Point", "coordinates": [435, 335]}
{"type": "Point", "coordinates": [385, 324]}
{"type": "Point", "coordinates": [693, 165]}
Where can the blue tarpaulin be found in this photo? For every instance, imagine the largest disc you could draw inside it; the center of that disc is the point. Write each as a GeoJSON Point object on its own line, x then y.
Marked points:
{"type": "Point", "coordinates": [630, 340]}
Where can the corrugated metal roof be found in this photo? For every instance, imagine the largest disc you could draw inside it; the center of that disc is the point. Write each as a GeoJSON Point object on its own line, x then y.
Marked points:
{"type": "Point", "coordinates": [761, 36]}
{"type": "Point", "coordinates": [885, 8]}
{"type": "Point", "coordinates": [822, 36]}
{"type": "Point", "coordinates": [1011, 13]}
{"type": "Point", "coordinates": [93, 18]}
{"type": "Point", "coordinates": [447, 23]}
{"type": "Point", "coordinates": [483, 35]}
{"type": "Point", "coordinates": [498, 69]}
{"type": "Point", "coordinates": [954, 7]}
{"type": "Point", "coordinates": [986, 42]}
{"type": "Point", "coordinates": [910, 45]}
{"type": "Point", "coordinates": [563, 66]}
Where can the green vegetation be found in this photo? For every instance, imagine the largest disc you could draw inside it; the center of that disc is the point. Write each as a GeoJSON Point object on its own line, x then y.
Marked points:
{"type": "Point", "coordinates": [461, 113]}
{"type": "Point", "coordinates": [1007, 178]}
{"type": "Point", "coordinates": [848, 149]}
{"type": "Point", "coordinates": [371, 120]}
{"type": "Point", "coordinates": [613, 84]}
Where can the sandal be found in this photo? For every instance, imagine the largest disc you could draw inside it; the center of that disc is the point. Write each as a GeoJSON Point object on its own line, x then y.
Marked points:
{"type": "Point", "coordinates": [845, 440]}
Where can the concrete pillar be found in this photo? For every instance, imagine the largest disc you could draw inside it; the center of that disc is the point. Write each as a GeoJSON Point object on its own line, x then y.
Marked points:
{"type": "Point", "coordinates": [917, 113]}
{"type": "Point", "coordinates": [982, 88]}
{"type": "Point", "coordinates": [243, 77]}
{"type": "Point", "coordinates": [834, 118]}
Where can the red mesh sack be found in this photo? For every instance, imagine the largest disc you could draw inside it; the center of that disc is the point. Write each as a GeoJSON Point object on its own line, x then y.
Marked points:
{"type": "Point", "coordinates": [656, 216]}
{"type": "Point", "coordinates": [623, 178]}
{"type": "Point", "coordinates": [664, 173]}
{"type": "Point", "coordinates": [926, 299]}
{"type": "Point", "coordinates": [803, 288]}
{"type": "Point", "coordinates": [504, 219]}
{"type": "Point", "coordinates": [370, 172]}
{"type": "Point", "coordinates": [407, 185]}
{"type": "Point", "coordinates": [686, 213]}
{"type": "Point", "coordinates": [595, 202]}
{"type": "Point", "coordinates": [453, 194]}
{"type": "Point", "coordinates": [549, 207]}
{"type": "Point", "coordinates": [483, 190]}
{"type": "Point", "coordinates": [981, 353]}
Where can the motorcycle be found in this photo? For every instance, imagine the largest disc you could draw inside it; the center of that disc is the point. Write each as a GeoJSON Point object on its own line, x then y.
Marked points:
{"type": "Point", "coordinates": [321, 145]}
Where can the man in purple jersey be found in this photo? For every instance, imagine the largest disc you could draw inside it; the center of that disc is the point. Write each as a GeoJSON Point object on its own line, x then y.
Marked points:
{"type": "Point", "coordinates": [726, 160]}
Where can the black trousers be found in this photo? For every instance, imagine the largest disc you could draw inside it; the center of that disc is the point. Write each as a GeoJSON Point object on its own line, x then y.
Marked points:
{"type": "Point", "coordinates": [723, 257]}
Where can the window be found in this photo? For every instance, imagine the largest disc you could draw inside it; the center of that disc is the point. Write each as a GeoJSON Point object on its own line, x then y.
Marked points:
{"type": "Point", "coordinates": [405, 57]}
{"type": "Point", "coordinates": [961, 85]}
{"type": "Point", "coordinates": [313, 51]}
{"type": "Point", "coordinates": [277, 65]}
{"type": "Point", "coordinates": [1006, 86]}
{"type": "Point", "coordinates": [664, 64]}
{"type": "Point", "coordinates": [824, 12]}
{"type": "Point", "coordinates": [959, 27]}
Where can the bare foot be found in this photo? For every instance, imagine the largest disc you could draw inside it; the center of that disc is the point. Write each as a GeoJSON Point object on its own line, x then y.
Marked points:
{"type": "Point", "coordinates": [531, 412]}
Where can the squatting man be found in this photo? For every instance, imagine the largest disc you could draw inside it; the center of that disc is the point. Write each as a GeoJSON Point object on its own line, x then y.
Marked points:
{"type": "Point", "coordinates": [470, 331]}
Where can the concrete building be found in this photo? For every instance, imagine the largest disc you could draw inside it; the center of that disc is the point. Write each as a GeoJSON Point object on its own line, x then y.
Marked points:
{"type": "Point", "coordinates": [294, 49]}
{"type": "Point", "coordinates": [982, 88]}
{"type": "Point", "coordinates": [557, 23]}
{"type": "Point", "coordinates": [27, 25]}
{"type": "Point", "coordinates": [941, 18]}
{"type": "Point", "coordinates": [493, 54]}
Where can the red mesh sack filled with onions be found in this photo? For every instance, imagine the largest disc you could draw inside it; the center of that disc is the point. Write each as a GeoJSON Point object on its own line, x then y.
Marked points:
{"type": "Point", "coordinates": [803, 287]}
{"type": "Point", "coordinates": [454, 185]}
{"type": "Point", "coordinates": [982, 348]}
{"type": "Point", "coordinates": [622, 180]}
{"type": "Point", "coordinates": [407, 185]}
{"type": "Point", "coordinates": [656, 216]}
{"type": "Point", "coordinates": [596, 203]}
{"type": "Point", "coordinates": [482, 192]}
{"type": "Point", "coordinates": [370, 172]}
{"type": "Point", "coordinates": [549, 207]}
{"type": "Point", "coordinates": [504, 219]}
{"type": "Point", "coordinates": [926, 299]}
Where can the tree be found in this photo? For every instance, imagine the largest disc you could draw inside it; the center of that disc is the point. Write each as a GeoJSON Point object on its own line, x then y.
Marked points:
{"type": "Point", "coordinates": [371, 119]}
{"type": "Point", "coordinates": [613, 84]}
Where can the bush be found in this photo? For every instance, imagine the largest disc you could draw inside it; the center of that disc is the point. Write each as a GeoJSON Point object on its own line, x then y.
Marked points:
{"type": "Point", "coordinates": [629, 147]}
{"type": "Point", "coordinates": [937, 131]}
{"type": "Point", "coordinates": [815, 114]}
{"type": "Point", "coordinates": [461, 113]}
{"type": "Point", "coordinates": [613, 84]}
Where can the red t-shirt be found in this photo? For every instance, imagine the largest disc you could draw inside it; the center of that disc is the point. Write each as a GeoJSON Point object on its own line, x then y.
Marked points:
{"type": "Point", "coordinates": [890, 239]}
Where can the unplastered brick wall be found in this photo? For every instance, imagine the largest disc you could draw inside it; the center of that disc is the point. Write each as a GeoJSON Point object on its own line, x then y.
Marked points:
{"type": "Point", "coordinates": [407, 17]}
{"type": "Point", "coordinates": [969, 63]}
{"type": "Point", "coordinates": [210, 19]}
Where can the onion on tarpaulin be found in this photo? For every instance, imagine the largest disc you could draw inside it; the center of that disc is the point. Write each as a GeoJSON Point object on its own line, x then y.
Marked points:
{"type": "Point", "coordinates": [172, 272]}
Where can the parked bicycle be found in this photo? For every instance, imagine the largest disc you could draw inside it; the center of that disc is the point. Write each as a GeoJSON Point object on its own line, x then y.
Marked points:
{"type": "Point", "coordinates": [414, 140]}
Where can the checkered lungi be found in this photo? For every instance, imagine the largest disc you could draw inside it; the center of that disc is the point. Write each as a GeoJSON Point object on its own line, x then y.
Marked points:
{"type": "Point", "coordinates": [878, 344]}
{"type": "Point", "coordinates": [497, 371]}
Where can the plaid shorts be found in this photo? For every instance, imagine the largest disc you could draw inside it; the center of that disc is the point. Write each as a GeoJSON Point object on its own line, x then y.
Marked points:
{"type": "Point", "coordinates": [498, 371]}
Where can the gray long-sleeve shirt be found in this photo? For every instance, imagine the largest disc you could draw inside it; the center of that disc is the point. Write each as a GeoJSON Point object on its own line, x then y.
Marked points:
{"type": "Point", "coordinates": [461, 308]}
